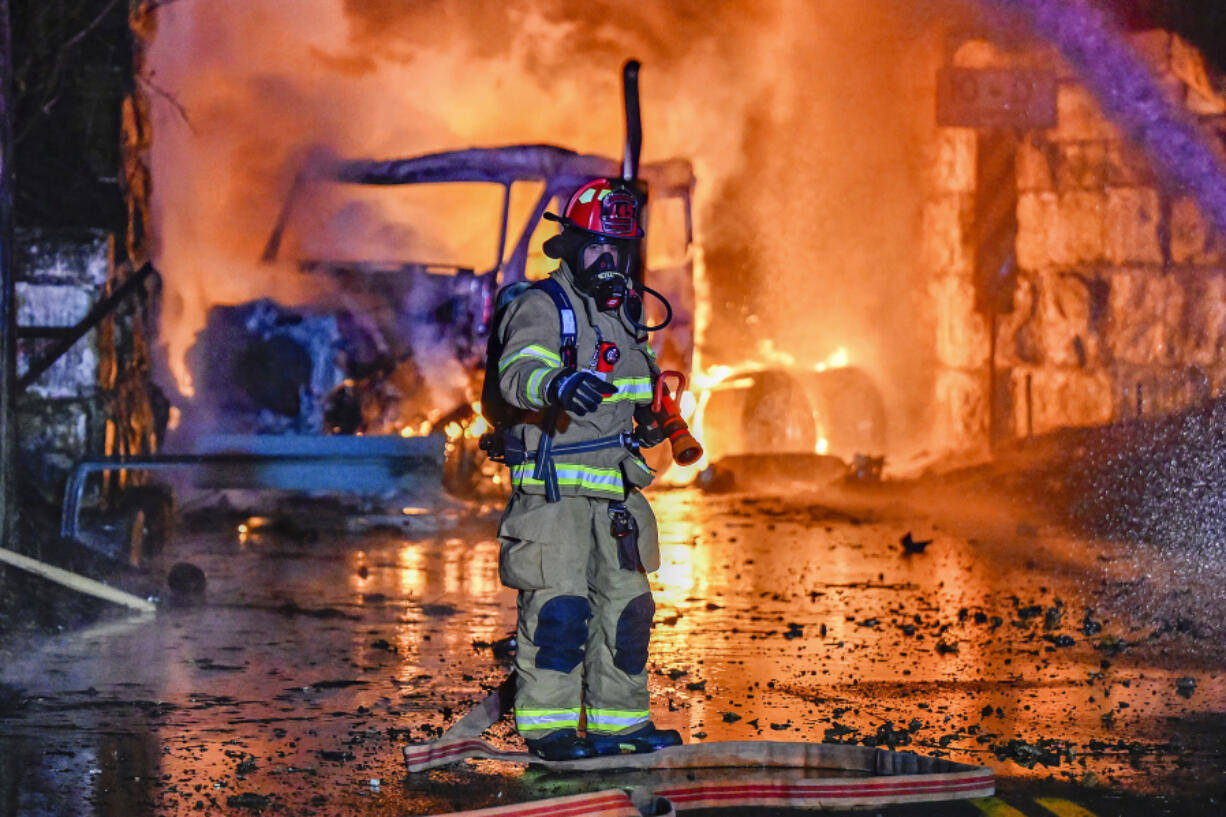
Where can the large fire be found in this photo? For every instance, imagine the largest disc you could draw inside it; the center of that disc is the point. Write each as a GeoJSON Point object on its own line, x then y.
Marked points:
{"type": "Point", "coordinates": [705, 381]}
{"type": "Point", "coordinates": [806, 123]}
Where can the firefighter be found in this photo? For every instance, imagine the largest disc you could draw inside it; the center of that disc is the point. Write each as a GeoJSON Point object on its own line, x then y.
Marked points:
{"type": "Point", "coordinates": [577, 537]}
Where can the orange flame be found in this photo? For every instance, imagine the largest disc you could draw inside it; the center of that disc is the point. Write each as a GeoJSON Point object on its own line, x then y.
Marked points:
{"type": "Point", "coordinates": [793, 148]}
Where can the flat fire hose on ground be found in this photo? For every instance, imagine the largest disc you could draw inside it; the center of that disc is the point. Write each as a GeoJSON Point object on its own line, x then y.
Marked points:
{"type": "Point", "coordinates": [867, 776]}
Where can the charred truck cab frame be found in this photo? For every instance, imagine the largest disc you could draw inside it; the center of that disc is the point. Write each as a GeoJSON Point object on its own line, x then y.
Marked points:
{"type": "Point", "coordinates": [460, 299]}
{"type": "Point", "coordinates": [560, 171]}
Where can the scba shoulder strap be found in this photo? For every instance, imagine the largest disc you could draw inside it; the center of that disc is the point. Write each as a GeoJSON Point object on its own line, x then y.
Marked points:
{"type": "Point", "coordinates": [496, 442]}
{"type": "Point", "coordinates": [569, 345]}
{"type": "Point", "coordinates": [544, 469]}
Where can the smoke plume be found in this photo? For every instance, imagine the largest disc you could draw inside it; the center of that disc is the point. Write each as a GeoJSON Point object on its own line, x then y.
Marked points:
{"type": "Point", "coordinates": [807, 122]}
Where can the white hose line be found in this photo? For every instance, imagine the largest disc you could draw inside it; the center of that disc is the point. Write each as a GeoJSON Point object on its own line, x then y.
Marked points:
{"type": "Point", "coordinates": [77, 582]}
{"type": "Point", "coordinates": [860, 776]}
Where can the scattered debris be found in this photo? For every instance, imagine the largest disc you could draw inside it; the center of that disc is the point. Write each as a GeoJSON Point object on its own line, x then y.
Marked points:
{"type": "Point", "coordinates": [1029, 611]}
{"type": "Point", "coordinates": [255, 802]}
{"type": "Point", "coordinates": [838, 733]}
{"type": "Point", "coordinates": [1046, 752]}
{"type": "Point", "coordinates": [291, 608]}
{"type": "Point", "coordinates": [335, 757]}
{"type": "Point", "coordinates": [439, 610]}
{"type": "Point", "coordinates": [910, 545]}
{"type": "Point", "coordinates": [888, 736]}
{"type": "Point", "coordinates": [1111, 646]}
{"type": "Point", "coordinates": [865, 468]}
{"type": "Point", "coordinates": [187, 584]}
{"type": "Point", "coordinates": [1054, 615]}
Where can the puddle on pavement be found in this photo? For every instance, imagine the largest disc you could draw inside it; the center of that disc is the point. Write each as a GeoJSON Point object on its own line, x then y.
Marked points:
{"type": "Point", "coordinates": [311, 663]}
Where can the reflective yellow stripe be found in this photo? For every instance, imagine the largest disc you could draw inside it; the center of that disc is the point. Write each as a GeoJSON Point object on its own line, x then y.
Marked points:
{"type": "Point", "coordinates": [634, 389]}
{"type": "Point", "coordinates": [533, 390]}
{"type": "Point", "coordinates": [608, 480]}
{"type": "Point", "coordinates": [1063, 808]}
{"type": "Point", "coordinates": [995, 807]}
{"type": "Point", "coordinates": [618, 713]}
{"type": "Point", "coordinates": [629, 398]}
{"type": "Point", "coordinates": [615, 720]}
{"type": "Point", "coordinates": [538, 352]}
{"type": "Point", "coordinates": [527, 720]}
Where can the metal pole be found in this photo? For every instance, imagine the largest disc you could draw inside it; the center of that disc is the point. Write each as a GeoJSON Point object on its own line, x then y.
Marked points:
{"type": "Point", "coordinates": [8, 311]}
{"type": "Point", "coordinates": [74, 333]}
{"type": "Point", "coordinates": [1029, 410]}
{"type": "Point", "coordinates": [992, 411]}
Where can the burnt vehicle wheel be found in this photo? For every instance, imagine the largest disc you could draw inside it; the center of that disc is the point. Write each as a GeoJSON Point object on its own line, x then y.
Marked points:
{"type": "Point", "coordinates": [850, 409]}
{"type": "Point", "coordinates": [779, 411]}
{"type": "Point", "coordinates": [777, 417]}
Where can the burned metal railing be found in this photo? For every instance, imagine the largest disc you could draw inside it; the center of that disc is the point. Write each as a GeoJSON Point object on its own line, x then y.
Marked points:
{"type": "Point", "coordinates": [401, 456]}
{"type": "Point", "coordinates": [66, 337]}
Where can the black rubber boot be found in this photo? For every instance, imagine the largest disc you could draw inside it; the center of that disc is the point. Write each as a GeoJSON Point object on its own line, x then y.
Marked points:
{"type": "Point", "coordinates": [647, 739]}
{"type": "Point", "coordinates": [561, 745]}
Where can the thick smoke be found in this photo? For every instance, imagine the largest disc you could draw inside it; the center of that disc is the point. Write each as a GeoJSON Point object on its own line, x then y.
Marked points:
{"type": "Point", "coordinates": [807, 123]}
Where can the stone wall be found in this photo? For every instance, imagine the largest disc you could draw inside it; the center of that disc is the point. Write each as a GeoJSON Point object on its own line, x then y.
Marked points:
{"type": "Point", "coordinates": [1119, 301]}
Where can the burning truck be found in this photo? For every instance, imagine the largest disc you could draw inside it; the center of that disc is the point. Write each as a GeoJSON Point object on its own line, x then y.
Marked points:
{"type": "Point", "coordinates": [388, 361]}
{"type": "Point", "coordinates": [396, 348]}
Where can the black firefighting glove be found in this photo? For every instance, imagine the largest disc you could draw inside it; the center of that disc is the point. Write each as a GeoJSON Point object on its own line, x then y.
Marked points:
{"type": "Point", "coordinates": [578, 392]}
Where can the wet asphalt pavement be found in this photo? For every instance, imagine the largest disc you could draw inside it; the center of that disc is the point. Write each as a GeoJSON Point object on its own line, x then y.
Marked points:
{"type": "Point", "coordinates": [1088, 675]}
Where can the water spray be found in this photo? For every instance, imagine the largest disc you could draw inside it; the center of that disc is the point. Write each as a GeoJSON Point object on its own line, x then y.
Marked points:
{"type": "Point", "coordinates": [1131, 96]}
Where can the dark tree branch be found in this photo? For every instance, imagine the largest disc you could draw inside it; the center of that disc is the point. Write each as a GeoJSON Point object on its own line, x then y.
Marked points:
{"type": "Point", "coordinates": [49, 90]}
{"type": "Point", "coordinates": [148, 82]}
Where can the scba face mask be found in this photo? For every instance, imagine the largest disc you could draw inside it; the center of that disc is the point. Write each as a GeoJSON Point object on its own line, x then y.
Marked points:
{"type": "Point", "coordinates": [602, 265]}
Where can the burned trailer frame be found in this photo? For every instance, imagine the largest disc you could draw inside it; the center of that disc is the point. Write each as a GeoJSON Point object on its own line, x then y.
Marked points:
{"type": "Point", "coordinates": [464, 296]}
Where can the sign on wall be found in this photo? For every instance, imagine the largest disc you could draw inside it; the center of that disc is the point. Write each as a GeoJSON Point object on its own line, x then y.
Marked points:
{"type": "Point", "coordinates": [996, 98]}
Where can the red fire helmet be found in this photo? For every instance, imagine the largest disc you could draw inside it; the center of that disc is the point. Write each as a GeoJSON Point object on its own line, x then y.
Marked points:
{"type": "Point", "coordinates": [605, 207]}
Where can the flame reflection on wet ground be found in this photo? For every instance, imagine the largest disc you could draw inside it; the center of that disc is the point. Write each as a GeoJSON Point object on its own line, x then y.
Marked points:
{"type": "Point", "coordinates": [793, 617]}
